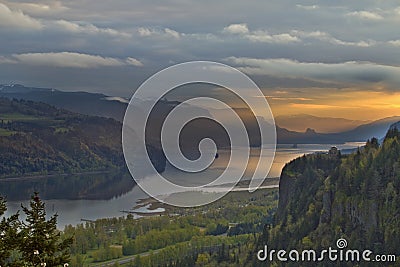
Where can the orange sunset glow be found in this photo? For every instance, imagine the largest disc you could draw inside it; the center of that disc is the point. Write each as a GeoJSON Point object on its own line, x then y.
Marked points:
{"type": "Point", "coordinates": [325, 102]}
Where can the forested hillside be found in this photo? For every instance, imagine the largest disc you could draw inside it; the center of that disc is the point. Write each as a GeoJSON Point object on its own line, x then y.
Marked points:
{"type": "Point", "coordinates": [324, 197]}
{"type": "Point", "coordinates": [38, 139]}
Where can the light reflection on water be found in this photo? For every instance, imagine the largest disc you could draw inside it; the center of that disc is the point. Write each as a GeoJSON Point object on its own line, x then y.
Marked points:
{"type": "Point", "coordinates": [72, 211]}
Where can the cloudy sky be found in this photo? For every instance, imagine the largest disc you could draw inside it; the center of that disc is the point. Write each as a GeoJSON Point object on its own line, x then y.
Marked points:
{"type": "Point", "coordinates": [327, 58]}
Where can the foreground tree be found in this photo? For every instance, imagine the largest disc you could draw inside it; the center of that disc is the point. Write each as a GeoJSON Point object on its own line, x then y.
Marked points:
{"type": "Point", "coordinates": [9, 234]}
{"type": "Point", "coordinates": [33, 242]}
{"type": "Point", "coordinates": [42, 242]}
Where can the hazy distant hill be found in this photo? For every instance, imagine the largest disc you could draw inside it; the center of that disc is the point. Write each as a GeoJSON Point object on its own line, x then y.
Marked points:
{"type": "Point", "coordinates": [106, 106]}
{"type": "Point", "coordinates": [363, 132]}
{"type": "Point", "coordinates": [310, 136]}
{"type": "Point", "coordinates": [360, 134]}
{"type": "Point", "coordinates": [79, 102]}
{"type": "Point", "coordinates": [301, 122]}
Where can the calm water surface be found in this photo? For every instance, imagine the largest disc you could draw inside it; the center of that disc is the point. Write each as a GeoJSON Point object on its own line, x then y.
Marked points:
{"type": "Point", "coordinates": [72, 211]}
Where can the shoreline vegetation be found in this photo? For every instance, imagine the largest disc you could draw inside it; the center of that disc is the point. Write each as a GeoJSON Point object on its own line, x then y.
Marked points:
{"type": "Point", "coordinates": [230, 230]}
{"type": "Point", "coordinates": [151, 204]}
{"type": "Point", "coordinates": [46, 176]}
{"type": "Point", "coordinates": [227, 226]}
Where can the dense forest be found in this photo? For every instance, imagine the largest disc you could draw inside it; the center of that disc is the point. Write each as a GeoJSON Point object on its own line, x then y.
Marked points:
{"type": "Point", "coordinates": [220, 234]}
{"type": "Point", "coordinates": [38, 139]}
{"type": "Point", "coordinates": [326, 196]}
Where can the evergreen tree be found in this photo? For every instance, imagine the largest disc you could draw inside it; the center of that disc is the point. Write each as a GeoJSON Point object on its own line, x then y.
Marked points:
{"type": "Point", "coordinates": [42, 242]}
{"type": "Point", "coordinates": [9, 236]}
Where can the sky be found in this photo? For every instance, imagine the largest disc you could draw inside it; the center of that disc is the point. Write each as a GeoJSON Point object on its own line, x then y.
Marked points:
{"type": "Point", "coordinates": [325, 58]}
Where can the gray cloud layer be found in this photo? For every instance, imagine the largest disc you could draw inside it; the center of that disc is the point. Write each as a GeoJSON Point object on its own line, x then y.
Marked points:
{"type": "Point", "coordinates": [68, 59]}
{"type": "Point", "coordinates": [340, 42]}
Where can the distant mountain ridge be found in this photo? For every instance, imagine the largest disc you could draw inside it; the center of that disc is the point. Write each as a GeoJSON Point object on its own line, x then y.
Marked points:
{"type": "Point", "coordinates": [364, 132]}
{"type": "Point", "coordinates": [93, 104]}
{"type": "Point", "coordinates": [301, 122]}
{"type": "Point", "coordinates": [111, 107]}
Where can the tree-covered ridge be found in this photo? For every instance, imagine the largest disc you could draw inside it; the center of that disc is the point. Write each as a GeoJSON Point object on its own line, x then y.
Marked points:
{"type": "Point", "coordinates": [36, 138]}
{"type": "Point", "coordinates": [324, 197]}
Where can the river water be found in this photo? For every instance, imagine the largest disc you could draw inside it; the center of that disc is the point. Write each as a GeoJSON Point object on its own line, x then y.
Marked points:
{"type": "Point", "coordinates": [72, 211]}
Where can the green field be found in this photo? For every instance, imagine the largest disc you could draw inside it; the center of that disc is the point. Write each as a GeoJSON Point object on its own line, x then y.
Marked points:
{"type": "Point", "coordinates": [18, 117]}
{"type": "Point", "coordinates": [5, 132]}
{"type": "Point", "coordinates": [37, 120]}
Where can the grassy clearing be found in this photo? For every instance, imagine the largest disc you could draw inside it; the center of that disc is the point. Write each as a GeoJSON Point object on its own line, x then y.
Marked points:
{"type": "Point", "coordinates": [61, 130]}
{"type": "Point", "coordinates": [5, 132]}
{"type": "Point", "coordinates": [37, 120]}
{"type": "Point", "coordinates": [18, 117]}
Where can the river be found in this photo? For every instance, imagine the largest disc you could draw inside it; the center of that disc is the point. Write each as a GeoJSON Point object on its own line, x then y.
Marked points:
{"type": "Point", "coordinates": [72, 211]}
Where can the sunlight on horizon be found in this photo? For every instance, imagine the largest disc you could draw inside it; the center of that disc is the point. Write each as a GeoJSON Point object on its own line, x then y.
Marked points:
{"type": "Point", "coordinates": [354, 105]}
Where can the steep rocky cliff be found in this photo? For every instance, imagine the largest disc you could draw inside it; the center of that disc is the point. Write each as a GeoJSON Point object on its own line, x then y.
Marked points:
{"type": "Point", "coordinates": [324, 197]}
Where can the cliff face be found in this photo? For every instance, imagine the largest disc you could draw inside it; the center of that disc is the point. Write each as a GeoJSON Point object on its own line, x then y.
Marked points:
{"type": "Point", "coordinates": [323, 197]}
{"type": "Point", "coordinates": [301, 180]}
